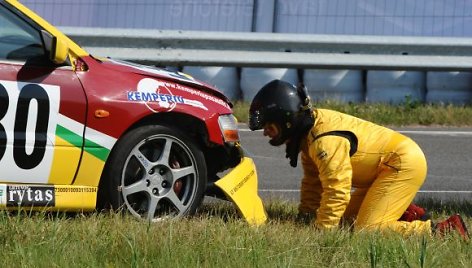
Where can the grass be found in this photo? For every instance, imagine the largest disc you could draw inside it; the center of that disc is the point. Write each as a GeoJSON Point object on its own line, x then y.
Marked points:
{"type": "Point", "coordinates": [217, 237]}
{"type": "Point", "coordinates": [408, 113]}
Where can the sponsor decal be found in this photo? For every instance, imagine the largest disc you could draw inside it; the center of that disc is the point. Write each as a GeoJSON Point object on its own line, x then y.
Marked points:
{"type": "Point", "coordinates": [201, 94]}
{"type": "Point", "coordinates": [322, 155]}
{"type": "Point", "coordinates": [156, 95]}
{"type": "Point", "coordinates": [241, 183]}
{"type": "Point", "coordinates": [28, 196]}
{"type": "Point", "coordinates": [75, 190]}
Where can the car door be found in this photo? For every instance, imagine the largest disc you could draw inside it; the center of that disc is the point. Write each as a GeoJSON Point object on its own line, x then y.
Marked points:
{"type": "Point", "coordinates": [42, 108]}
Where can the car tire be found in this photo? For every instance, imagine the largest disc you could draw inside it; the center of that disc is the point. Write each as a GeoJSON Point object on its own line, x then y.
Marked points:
{"type": "Point", "coordinates": [155, 172]}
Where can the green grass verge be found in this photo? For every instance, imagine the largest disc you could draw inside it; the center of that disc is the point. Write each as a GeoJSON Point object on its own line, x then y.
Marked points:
{"type": "Point", "coordinates": [406, 114]}
{"type": "Point", "coordinates": [217, 237]}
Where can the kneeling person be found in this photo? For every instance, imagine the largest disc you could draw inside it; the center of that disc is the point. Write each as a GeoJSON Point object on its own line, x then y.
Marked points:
{"type": "Point", "coordinates": [339, 153]}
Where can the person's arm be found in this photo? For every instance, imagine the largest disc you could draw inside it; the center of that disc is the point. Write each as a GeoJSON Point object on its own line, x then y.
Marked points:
{"type": "Point", "coordinates": [331, 155]}
{"type": "Point", "coordinates": [310, 191]}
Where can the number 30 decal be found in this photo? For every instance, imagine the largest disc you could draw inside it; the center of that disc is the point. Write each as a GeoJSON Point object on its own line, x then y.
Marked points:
{"type": "Point", "coordinates": [3, 112]}
{"type": "Point", "coordinates": [28, 115]}
{"type": "Point", "coordinates": [27, 94]}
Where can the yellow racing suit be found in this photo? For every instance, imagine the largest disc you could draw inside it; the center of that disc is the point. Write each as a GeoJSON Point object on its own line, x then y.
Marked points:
{"type": "Point", "coordinates": [373, 186]}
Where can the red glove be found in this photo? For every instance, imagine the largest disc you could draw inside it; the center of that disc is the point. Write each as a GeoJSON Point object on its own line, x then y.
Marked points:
{"type": "Point", "coordinates": [415, 213]}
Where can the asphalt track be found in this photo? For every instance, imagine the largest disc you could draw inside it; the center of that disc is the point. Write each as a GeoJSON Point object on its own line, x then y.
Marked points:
{"type": "Point", "coordinates": [448, 152]}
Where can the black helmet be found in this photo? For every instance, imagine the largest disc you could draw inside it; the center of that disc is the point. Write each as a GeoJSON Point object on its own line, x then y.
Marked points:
{"type": "Point", "coordinates": [284, 104]}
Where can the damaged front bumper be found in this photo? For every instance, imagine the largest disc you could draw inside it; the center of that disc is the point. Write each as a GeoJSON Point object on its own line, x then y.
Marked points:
{"type": "Point", "coordinates": [240, 186]}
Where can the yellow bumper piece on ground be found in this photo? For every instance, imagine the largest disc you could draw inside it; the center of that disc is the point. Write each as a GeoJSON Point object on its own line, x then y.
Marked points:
{"type": "Point", "coordinates": [240, 186]}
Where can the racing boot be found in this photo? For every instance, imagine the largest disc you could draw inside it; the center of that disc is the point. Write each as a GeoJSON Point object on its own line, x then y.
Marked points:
{"type": "Point", "coordinates": [415, 213]}
{"type": "Point", "coordinates": [453, 223]}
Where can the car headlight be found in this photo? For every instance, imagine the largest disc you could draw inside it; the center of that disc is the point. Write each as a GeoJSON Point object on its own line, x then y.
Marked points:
{"type": "Point", "coordinates": [229, 127]}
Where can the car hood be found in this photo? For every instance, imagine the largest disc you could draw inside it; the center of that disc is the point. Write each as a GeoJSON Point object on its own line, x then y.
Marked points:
{"type": "Point", "coordinates": [177, 77]}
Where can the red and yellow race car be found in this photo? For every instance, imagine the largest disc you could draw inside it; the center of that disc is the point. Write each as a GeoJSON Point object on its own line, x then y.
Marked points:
{"type": "Point", "coordinates": [79, 132]}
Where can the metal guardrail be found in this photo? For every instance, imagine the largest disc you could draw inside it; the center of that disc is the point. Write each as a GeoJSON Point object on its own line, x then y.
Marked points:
{"type": "Point", "coordinates": [195, 48]}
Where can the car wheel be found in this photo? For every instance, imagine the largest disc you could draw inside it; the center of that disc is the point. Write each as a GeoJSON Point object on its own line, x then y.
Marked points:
{"type": "Point", "coordinates": [155, 172]}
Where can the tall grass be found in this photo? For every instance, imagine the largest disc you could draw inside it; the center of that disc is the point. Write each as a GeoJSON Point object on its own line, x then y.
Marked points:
{"type": "Point", "coordinates": [216, 237]}
{"type": "Point", "coordinates": [407, 113]}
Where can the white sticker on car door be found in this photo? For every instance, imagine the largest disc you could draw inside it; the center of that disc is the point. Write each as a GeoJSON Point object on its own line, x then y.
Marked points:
{"type": "Point", "coordinates": [28, 118]}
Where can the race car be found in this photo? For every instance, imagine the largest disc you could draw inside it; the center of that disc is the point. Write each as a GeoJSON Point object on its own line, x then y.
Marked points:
{"type": "Point", "coordinates": [79, 132]}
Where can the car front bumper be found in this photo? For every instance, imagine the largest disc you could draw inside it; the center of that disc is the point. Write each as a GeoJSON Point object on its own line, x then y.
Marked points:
{"type": "Point", "coordinates": [240, 186]}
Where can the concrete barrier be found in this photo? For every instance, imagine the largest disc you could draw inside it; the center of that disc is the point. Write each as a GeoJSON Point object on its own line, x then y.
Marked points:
{"type": "Point", "coordinates": [339, 85]}
{"type": "Point", "coordinates": [395, 86]}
